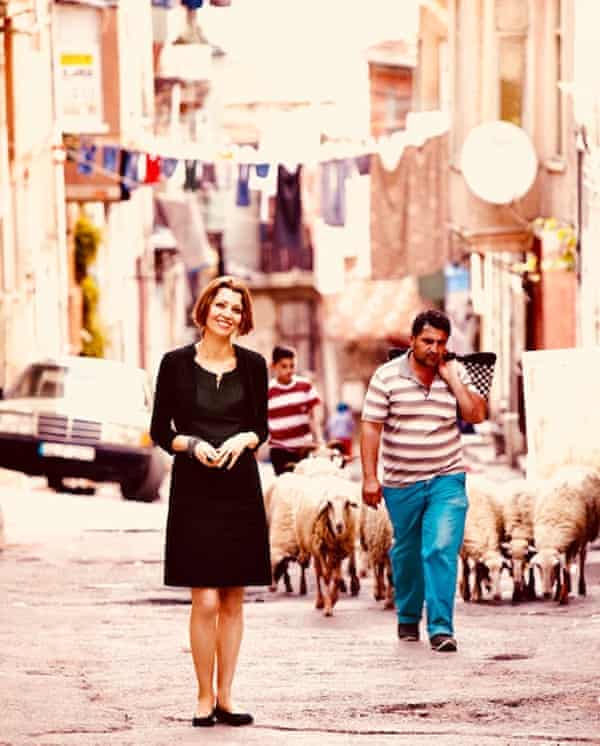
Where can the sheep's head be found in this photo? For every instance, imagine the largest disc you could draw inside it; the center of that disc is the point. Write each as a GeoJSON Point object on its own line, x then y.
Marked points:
{"type": "Point", "coordinates": [519, 550]}
{"type": "Point", "coordinates": [494, 563]}
{"type": "Point", "coordinates": [339, 513]}
{"type": "Point", "coordinates": [548, 562]}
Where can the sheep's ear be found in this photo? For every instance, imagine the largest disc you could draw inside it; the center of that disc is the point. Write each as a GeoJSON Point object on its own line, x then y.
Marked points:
{"type": "Point", "coordinates": [325, 506]}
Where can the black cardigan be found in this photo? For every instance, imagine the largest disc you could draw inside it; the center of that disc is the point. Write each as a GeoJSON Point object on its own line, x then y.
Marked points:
{"type": "Point", "coordinates": [175, 394]}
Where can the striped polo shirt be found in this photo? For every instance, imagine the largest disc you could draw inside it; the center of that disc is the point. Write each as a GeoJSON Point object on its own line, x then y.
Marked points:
{"type": "Point", "coordinates": [420, 438]}
{"type": "Point", "coordinates": [289, 413]}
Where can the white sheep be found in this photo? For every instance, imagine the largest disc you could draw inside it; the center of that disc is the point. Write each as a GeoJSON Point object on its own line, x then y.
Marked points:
{"type": "Point", "coordinates": [317, 466]}
{"type": "Point", "coordinates": [482, 539]}
{"type": "Point", "coordinates": [284, 492]}
{"type": "Point", "coordinates": [518, 499]}
{"type": "Point", "coordinates": [566, 518]}
{"type": "Point", "coordinates": [376, 535]}
{"type": "Point", "coordinates": [284, 495]}
{"type": "Point", "coordinates": [327, 528]}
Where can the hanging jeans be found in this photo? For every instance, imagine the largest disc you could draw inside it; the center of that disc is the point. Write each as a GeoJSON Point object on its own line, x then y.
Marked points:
{"type": "Point", "coordinates": [429, 520]}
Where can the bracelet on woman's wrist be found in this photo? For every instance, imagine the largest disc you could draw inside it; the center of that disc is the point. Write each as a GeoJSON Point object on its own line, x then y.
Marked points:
{"type": "Point", "coordinates": [191, 447]}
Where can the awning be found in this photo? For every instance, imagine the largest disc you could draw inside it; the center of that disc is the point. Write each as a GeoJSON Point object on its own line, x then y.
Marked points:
{"type": "Point", "coordinates": [373, 309]}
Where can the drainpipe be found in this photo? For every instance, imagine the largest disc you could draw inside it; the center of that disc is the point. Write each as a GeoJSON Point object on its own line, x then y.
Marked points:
{"type": "Point", "coordinates": [581, 145]}
{"type": "Point", "coordinates": [9, 89]}
{"type": "Point", "coordinates": [9, 244]}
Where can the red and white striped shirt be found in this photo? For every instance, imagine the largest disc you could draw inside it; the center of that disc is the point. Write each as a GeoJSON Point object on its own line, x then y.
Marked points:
{"type": "Point", "coordinates": [289, 412]}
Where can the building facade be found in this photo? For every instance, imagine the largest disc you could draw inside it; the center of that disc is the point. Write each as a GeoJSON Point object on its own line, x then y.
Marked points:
{"type": "Point", "coordinates": [33, 255]}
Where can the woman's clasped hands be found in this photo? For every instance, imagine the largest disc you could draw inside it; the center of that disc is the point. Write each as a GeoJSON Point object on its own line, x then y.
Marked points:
{"type": "Point", "coordinates": [227, 453]}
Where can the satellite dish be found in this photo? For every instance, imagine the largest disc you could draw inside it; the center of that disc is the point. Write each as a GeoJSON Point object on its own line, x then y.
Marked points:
{"type": "Point", "coordinates": [498, 162]}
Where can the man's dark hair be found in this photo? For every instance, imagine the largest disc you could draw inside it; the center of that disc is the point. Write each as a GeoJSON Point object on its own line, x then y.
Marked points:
{"type": "Point", "coordinates": [280, 352]}
{"type": "Point", "coordinates": [433, 317]}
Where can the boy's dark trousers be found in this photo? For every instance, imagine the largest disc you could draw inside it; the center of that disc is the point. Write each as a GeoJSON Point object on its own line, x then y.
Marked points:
{"type": "Point", "coordinates": [282, 458]}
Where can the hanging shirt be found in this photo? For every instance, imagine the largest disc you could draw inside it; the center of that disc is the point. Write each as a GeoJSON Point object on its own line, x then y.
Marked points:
{"type": "Point", "coordinates": [110, 158]}
{"type": "Point", "coordinates": [152, 169]}
{"type": "Point", "coordinates": [243, 191]}
{"type": "Point", "coordinates": [262, 170]}
{"type": "Point", "coordinates": [363, 164]}
{"type": "Point", "coordinates": [86, 159]}
{"type": "Point", "coordinates": [209, 175]}
{"type": "Point", "coordinates": [168, 166]}
{"type": "Point", "coordinates": [287, 231]}
{"type": "Point", "coordinates": [128, 170]}
{"type": "Point", "coordinates": [190, 184]}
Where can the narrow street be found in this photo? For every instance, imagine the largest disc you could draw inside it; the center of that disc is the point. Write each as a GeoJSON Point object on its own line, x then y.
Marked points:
{"type": "Point", "coordinates": [95, 650]}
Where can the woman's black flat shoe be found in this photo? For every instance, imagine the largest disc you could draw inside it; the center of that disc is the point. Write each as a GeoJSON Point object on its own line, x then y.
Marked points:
{"type": "Point", "coordinates": [204, 722]}
{"type": "Point", "coordinates": [233, 718]}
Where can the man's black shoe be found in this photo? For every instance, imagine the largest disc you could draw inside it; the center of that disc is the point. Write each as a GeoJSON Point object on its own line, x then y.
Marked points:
{"type": "Point", "coordinates": [443, 644]}
{"type": "Point", "coordinates": [408, 632]}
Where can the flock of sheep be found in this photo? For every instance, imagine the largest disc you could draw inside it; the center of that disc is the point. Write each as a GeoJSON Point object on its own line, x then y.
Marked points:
{"type": "Point", "coordinates": [316, 515]}
{"type": "Point", "coordinates": [524, 524]}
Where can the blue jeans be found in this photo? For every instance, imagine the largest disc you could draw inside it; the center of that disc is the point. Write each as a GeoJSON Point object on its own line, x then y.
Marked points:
{"type": "Point", "coordinates": [429, 520]}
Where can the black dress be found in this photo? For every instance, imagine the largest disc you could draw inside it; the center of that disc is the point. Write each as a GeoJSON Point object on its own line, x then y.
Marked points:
{"type": "Point", "coordinates": [217, 532]}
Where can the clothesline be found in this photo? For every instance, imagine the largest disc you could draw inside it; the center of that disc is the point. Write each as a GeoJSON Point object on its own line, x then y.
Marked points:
{"type": "Point", "coordinates": [421, 126]}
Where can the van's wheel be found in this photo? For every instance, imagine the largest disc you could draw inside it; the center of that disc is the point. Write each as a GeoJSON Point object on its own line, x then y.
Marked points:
{"type": "Point", "coordinates": [55, 483]}
{"type": "Point", "coordinates": [146, 488]}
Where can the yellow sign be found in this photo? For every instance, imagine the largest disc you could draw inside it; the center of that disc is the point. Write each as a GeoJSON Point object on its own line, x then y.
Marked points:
{"type": "Point", "coordinates": [76, 59]}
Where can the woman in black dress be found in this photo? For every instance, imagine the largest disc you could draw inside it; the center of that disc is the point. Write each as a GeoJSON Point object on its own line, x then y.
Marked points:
{"type": "Point", "coordinates": [210, 411]}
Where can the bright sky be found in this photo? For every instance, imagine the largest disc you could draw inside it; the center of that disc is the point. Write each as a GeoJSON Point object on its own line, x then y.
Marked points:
{"type": "Point", "coordinates": [303, 48]}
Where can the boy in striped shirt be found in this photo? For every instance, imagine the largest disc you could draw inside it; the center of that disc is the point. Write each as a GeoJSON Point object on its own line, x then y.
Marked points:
{"type": "Point", "coordinates": [411, 411]}
{"type": "Point", "coordinates": [294, 422]}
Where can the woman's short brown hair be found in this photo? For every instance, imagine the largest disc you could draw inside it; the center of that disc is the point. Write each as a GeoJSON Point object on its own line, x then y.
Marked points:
{"type": "Point", "coordinates": [206, 297]}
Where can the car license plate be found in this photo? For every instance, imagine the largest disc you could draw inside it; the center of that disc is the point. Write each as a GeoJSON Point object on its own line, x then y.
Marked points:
{"type": "Point", "coordinates": [65, 450]}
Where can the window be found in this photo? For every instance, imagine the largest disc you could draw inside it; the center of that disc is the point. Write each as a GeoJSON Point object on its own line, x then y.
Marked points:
{"type": "Point", "coordinates": [558, 66]}
{"type": "Point", "coordinates": [511, 52]}
{"type": "Point", "coordinates": [296, 327]}
{"type": "Point", "coordinates": [456, 67]}
{"type": "Point", "coordinates": [511, 29]}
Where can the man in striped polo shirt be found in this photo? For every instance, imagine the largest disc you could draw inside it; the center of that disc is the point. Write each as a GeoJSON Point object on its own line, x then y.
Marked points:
{"type": "Point", "coordinates": [293, 412]}
{"type": "Point", "coordinates": [412, 402]}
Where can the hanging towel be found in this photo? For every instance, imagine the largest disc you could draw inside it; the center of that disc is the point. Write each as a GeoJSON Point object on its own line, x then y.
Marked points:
{"type": "Point", "coordinates": [110, 158]}
{"type": "Point", "coordinates": [333, 191]}
{"type": "Point", "coordinates": [243, 192]}
{"type": "Point", "coordinates": [152, 169]}
{"type": "Point", "coordinates": [168, 166]}
{"type": "Point", "coordinates": [409, 233]}
{"type": "Point", "coordinates": [86, 159]}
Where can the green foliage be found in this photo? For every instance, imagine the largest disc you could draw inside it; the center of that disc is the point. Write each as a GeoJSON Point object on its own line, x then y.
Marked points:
{"type": "Point", "coordinates": [93, 338]}
{"type": "Point", "coordinates": [87, 239]}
